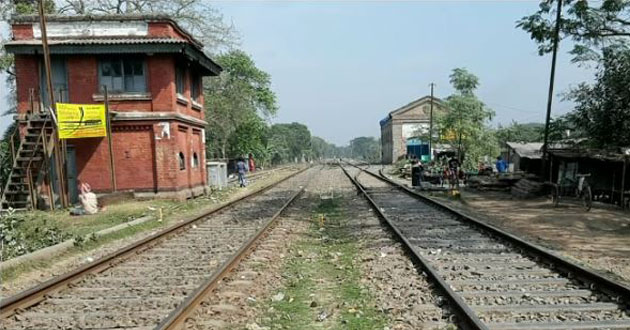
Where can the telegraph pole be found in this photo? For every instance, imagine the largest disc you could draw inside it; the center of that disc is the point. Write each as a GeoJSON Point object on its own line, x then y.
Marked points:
{"type": "Point", "coordinates": [556, 40]}
{"type": "Point", "coordinates": [431, 125]}
{"type": "Point", "coordinates": [59, 157]}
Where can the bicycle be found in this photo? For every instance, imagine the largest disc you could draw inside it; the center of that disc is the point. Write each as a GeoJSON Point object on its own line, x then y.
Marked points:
{"type": "Point", "coordinates": [581, 189]}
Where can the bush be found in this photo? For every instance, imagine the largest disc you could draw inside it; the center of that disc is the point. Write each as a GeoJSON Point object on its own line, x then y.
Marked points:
{"type": "Point", "coordinates": [21, 234]}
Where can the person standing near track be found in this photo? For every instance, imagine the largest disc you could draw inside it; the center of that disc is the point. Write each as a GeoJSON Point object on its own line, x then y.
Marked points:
{"type": "Point", "coordinates": [501, 165]}
{"type": "Point", "coordinates": [453, 173]}
{"type": "Point", "coordinates": [251, 163]}
{"type": "Point", "coordinates": [241, 169]}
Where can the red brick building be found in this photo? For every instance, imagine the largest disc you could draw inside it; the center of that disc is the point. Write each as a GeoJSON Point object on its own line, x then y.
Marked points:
{"type": "Point", "coordinates": [153, 70]}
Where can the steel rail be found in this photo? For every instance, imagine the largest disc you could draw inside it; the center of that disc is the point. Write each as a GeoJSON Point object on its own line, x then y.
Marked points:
{"type": "Point", "coordinates": [255, 175]}
{"type": "Point", "coordinates": [467, 316]}
{"type": "Point", "coordinates": [37, 294]}
{"type": "Point", "coordinates": [177, 318]}
{"type": "Point", "coordinates": [618, 291]}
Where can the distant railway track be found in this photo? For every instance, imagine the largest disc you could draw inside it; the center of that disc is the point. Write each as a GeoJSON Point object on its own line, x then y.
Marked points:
{"type": "Point", "coordinates": [494, 280]}
{"type": "Point", "coordinates": [155, 282]}
{"type": "Point", "coordinates": [254, 176]}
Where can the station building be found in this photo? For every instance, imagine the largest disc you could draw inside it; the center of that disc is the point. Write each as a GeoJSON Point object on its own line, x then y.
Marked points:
{"type": "Point", "coordinates": [402, 128]}
{"type": "Point", "coordinates": [153, 71]}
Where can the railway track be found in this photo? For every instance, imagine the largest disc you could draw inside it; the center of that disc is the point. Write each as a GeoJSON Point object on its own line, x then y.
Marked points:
{"type": "Point", "coordinates": [154, 283]}
{"type": "Point", "coordinates": [254, 176]}
{"type": "Point", "coordinates": [493, 279]}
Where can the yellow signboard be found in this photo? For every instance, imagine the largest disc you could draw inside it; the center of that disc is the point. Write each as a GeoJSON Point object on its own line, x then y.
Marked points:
{"type": "Point", "coordinates": [81, 120]}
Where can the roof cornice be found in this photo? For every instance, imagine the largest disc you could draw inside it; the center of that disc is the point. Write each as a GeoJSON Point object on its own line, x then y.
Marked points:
{"type": "Point", "coordinates": [157, 17]}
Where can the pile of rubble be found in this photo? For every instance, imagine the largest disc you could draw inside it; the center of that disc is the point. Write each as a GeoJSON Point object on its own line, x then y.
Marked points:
{"type": "Point", "coordinates": [520, 185]}
{"type": "Point", "coordinates": [527, 188]}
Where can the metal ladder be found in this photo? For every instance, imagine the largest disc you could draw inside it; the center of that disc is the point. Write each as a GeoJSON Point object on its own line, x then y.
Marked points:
{"type": "Point", "coordinates": [29, 163]}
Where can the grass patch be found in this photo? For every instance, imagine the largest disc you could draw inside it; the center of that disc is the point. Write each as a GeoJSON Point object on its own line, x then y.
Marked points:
{"type": "Point", "coordinates": [38, 229]}
{"type": "Point", "coordinates": [89, 244]}
{"type": "Point", "coordinates": [322, 288]}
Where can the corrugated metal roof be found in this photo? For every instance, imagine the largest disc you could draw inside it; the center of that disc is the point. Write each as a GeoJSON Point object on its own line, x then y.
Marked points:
{"type": "Point", "coordinates": [528, 150]}
{"type": "Point", "coordinates": [97, 41]}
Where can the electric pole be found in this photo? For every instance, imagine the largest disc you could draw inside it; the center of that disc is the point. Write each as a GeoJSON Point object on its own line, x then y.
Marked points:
{"type": "Point", "coordinates": [556, 40]}
{"type": "Point", "coordinates": [431, 125]}
{"type": "Point", "coordinates": [58, 155]}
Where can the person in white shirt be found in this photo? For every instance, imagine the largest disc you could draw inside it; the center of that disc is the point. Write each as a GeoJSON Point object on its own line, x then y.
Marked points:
{"type": "Point", "coordinates": [88, 200]}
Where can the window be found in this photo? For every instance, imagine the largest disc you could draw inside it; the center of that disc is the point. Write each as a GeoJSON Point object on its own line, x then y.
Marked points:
{"type": "Point", "coordinates": [123, 75]}
{"type": "Point", "coordinates": [179, 80]}
{"type": "Point", "coordinates": [195, 87]}
{"type": "Point", "coordinates": [182, 161]}
{"type": "Point", "coordinates": [195, 160]}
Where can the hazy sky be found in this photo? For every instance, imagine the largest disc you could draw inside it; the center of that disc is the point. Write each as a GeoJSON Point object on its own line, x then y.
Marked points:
{"type": "Point", "coordinates": [340, 67]}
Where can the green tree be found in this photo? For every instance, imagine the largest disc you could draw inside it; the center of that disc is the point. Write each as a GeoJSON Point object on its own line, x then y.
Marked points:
{"type": "Point", "coordinates": [288, 142]}
{"type": "Point", "coordinates": [515, 132]}
{"type": "Point", "coordinates": [320, 148]}
{"type": "Point", "coordinates": [464, 125]}
{"type": "Point", "coordinates": [602, 110]}
{"type": "Point", "coordinates": [240, 96]}
{"type": "Point", "coordinates": [563, 129]}
{"type": "Point", "coordinates": [250, 137]}
{"type": "Point", "coordinates": [366, 148]}
{"type": "Point", "coordinates": [592, 25]}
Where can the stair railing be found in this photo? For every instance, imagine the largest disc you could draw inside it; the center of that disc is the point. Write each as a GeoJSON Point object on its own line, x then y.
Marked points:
{"type": "Point", "coordinates": [32, 189]}
{"type": "Point", "coordinates": [8, 159]}
{"type": "Point", "coordinates": [15, 141]}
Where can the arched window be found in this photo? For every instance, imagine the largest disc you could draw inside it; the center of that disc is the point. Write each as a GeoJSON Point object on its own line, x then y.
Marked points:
{"type": "Point", "coordinates": [195, 160]}
{"type": "Point", "coordinates": [182, 161]}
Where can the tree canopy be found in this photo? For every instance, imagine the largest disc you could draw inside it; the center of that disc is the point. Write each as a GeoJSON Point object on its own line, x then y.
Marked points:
{"type": "Point", "coordinates": [366, 148]}
{"type": "Point", "coordinates": [516, 132]}
{"type": "Point", "coordinates": [288, 142]}
{"type": "Point", "coordinates": [602, 110]}
{"type": "Point", "coordinates": [464, 125]}
{"type": "Point", "coordinates": [600, 32]}
{"type": "Point", "coordinates": [592, 25]}
{"type": "Point", "coordinates": [236, 105]}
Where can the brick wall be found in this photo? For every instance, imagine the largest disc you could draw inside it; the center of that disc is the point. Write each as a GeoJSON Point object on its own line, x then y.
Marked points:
{"type": "Point", "coordinates": [82, 78]}
{"type": "Point", "coordinates": [164, 30]}
{"type": "Point", "coordinates": [22, 31]}
{"type": "Point", "coordinates": [83, 84]}
{"type": "Point", "coordinates": [183, 146]}
{"type": "Point", "coordinates": [92, 161]}
{"type": "Point", "coordinates": [198, 174]}
{"type": "Point", "coordinates": [134, 157]}
{"type": "Point", "coordinates": [27, 71]}
{"type": "Point", "coordinates": [166, 164]}
{"type": "Point", "coordinates": [145, 156]}
{"type": "Point", "coordinates": [186, 106]}
{"type": "Point", "coordinates": [386, 143]}
{"type": "Point", "coordinates": [161, 71]}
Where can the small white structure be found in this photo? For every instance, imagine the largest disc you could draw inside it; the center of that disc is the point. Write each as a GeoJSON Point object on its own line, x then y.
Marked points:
{"type": "Point", "coordinates": [524, 156]}
{"type": "Point", "coordinates": [217, 174]}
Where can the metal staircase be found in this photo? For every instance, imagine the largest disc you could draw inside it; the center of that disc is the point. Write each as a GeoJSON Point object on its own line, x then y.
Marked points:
{"type": "Point", "coordinates": [30, 164]}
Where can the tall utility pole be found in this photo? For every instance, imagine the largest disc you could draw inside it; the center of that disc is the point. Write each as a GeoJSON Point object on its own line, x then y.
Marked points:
{"type": "Point", "coordinates": [431, 125]}
{"type": "Point", "coordinates": [59, 163]}
{"type": "Point", "coordinates": [556, 40]}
